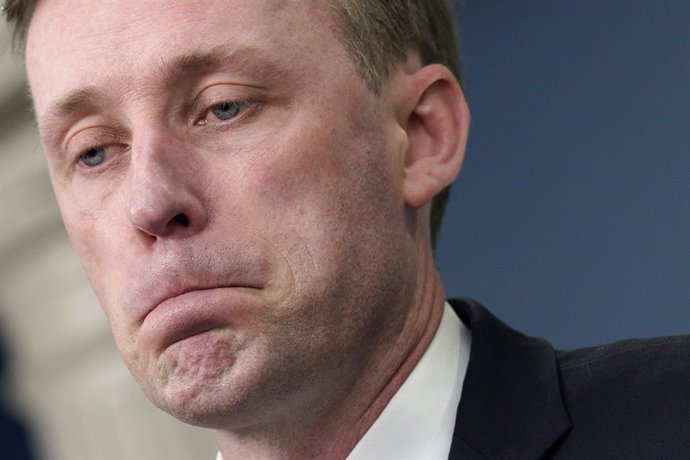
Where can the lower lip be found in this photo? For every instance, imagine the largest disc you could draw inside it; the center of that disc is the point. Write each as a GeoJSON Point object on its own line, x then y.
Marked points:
{"type": "Point", "coordinates": [195, 313]}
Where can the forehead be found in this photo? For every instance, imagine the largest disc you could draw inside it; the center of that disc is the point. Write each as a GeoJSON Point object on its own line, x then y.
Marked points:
{"type": "Point", "coordinates": [79, 43]}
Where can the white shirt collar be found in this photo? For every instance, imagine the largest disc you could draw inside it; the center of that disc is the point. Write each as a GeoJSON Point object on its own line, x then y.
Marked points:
{"type": "Point", "coordinates": [418, 421]}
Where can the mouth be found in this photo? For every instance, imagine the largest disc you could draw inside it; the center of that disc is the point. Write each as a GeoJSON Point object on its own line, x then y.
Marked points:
{"type": "Point", "coordinates": [183, 293]}
{"type": "Point", "coordinates": [192, 311]}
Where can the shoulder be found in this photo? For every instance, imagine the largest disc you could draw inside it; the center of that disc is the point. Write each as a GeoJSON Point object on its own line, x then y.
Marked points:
{"type": "Point", "coordinates": [630, 394]}
{"type": "Point", "coordinates": [628, 364]}
{"type": "Point", "coordinates": [623, 400]}
{"type": "Point", "coordinates": [645, 358]}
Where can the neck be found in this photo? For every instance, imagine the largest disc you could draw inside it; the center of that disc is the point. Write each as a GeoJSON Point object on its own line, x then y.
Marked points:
{"type": "Point", "coordinates": [331, 429]}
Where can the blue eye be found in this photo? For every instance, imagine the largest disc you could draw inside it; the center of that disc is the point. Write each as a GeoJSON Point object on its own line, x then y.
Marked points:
{"type": "Point", "coordinates": [226, 110]}
{"type": "Point", "coordinates": [93, 157]}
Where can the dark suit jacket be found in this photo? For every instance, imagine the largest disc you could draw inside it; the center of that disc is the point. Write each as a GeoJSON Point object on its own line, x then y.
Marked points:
{"type": "Point", "coordinates": [521, 399]}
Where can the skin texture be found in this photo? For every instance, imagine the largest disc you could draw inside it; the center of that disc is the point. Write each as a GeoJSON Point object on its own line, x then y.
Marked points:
{"type": "Point", "coordinates": [253, 219]}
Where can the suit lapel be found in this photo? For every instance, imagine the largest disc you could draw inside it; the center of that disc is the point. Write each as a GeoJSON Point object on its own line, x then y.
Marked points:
{"type": "Point", "coordinates": [511, 405]}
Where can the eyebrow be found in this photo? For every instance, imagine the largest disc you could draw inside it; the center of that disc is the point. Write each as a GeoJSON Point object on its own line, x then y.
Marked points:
{"type": "Point", "coordinates": [177, 68]}
{"type": "Point", "coordinates": [238, 56]}
{"type": "Point", "coordinates": [197, 61]}
{"type": "Point", "coordinates": [74, 101]}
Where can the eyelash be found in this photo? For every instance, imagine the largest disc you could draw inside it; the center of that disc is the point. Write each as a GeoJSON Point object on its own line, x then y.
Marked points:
{"type": "Point", "coordinates": [104, 148]}
{"type": "Point", "coordinates": [242, 107]}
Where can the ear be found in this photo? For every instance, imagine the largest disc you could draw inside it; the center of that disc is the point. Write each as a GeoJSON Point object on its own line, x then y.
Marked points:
{"type": "Point", "coordinates": [437, 122]}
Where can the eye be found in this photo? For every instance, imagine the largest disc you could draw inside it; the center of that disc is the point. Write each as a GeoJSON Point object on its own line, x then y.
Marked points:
{"type": "Point", "coordinates": [226, 110]}
{"type": "Point", "coordinates": [93, 157]}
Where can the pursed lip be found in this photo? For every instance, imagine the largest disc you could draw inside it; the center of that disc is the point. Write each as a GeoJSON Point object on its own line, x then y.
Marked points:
{"type": "Point", "coordinates": [186, 312]}
{"type": "Point", "coordinates": [171, 294]}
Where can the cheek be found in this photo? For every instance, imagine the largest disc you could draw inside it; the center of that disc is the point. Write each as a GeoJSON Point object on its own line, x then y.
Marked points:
{"type": "Point", "coordinates": [83, 232]}
{"type": "Point", "coordinates": [322, 200]}
{"type": "Point", "coordinates": [101, 250]}
{"type": "Point", "coordinates": [322, 173]}
{"type": "Point", "coordinates": [87, 213]}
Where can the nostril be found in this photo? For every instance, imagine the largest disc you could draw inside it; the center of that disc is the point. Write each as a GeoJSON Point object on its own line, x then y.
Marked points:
{"type": "Point", "coordinates": [181, 219]}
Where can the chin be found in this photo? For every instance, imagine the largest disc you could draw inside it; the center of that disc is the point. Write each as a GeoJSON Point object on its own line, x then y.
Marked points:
{"type": "Point", "coordinates": [205, 387]}
{"type": "Point", "coordinates": [188, 380]}
{"type": "Point", "coordinates": [197, 400]}
{"type": "Point", "coordinates": [207, 407]}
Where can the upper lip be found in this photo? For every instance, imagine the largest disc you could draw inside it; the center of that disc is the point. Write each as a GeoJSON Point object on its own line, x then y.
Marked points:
{"type": "Point", "coordinates": [179, 290]}
{"type": "Point", "coordinates": [178, 271]}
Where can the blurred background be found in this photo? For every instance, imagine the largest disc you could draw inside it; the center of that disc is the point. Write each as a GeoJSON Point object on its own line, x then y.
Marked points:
{"type": "Point", "coordinates": [570, 220]}
{"type": "Point", "coordinates": [571, 216]}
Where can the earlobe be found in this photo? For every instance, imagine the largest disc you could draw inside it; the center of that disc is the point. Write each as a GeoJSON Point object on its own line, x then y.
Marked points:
{"type": "Point", "coordinates": [437, 125]}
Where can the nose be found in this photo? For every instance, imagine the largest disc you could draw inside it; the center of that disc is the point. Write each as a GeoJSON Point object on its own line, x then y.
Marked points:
{"type": "Point", "coordinates": [165, 189]}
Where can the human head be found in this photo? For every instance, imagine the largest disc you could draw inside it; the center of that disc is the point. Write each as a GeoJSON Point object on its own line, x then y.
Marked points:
{"type": "Point", "coordinates": [252, 216]}
{"type": "Point", "coordinates": [379, 36]}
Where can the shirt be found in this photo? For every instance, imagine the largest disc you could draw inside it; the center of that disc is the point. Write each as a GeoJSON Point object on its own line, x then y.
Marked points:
{"type": "Point", "coordinates": [418, 422]}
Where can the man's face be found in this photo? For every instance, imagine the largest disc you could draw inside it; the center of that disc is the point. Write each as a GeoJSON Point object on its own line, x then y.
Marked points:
{"type": "Point", "coordinates": [233, 191]}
